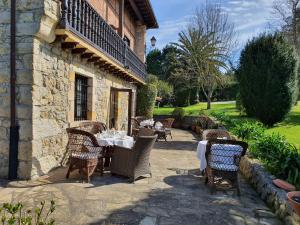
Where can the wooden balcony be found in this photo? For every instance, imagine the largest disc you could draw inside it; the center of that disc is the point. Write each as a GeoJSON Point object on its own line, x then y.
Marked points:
{"type": "Point", "coordinates": [85, 32]}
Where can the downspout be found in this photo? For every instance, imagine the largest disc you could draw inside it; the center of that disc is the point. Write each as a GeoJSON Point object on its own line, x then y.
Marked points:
{"type": "Point", "coordinates": [14, 127]}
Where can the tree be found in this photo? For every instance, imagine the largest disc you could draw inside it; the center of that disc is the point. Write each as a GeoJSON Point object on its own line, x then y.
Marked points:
{"type": "Point", "coordinates": [206, 47]}
{"type": "Point", "coordinates": [288, 12]}
{"type": "Point", "coordinates": [268, 78]}
{"type": "Point", "coordinates": [153, 61]}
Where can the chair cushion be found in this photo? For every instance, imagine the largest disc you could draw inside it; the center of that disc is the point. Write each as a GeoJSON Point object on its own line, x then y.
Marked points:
{"type": "Point", "coordinates": [223, 167]}
{"type": "Point", "coordinates": [85, 155]}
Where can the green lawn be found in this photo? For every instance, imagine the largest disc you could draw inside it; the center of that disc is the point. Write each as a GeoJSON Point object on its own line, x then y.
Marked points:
{"type": "Point", "coordinates": [290, 127]}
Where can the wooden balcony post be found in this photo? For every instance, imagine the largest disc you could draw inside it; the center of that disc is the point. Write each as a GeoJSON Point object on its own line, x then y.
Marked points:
{"type": "Point", "coordinates": [64, 13]}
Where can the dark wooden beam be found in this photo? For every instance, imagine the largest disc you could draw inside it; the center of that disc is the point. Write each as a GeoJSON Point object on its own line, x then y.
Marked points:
{"type": "Point", "coordinates": [68, 45]}
{"type": "Point", "coordinates": [94, 59]}
{"type": "Point", "coordinates": [78, 50]}
{"type": "Point", "coordinates": [87, 55]}
{"type": "Point", "coordinates": [136, 10]}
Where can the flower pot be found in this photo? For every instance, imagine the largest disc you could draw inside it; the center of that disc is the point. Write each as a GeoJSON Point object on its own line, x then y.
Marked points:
{"type": "Point", "coordinates": [193, 128]}
{"type": "Point", "coordinates": [295, 205]}
{"type": "Point", "coordinates": [284, 185]}
{"type": "Point", "coordinates": [199, 130]}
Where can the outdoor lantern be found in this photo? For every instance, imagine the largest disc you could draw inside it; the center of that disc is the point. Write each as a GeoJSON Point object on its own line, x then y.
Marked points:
{"type": "Point", "coordinates": [153, 41]}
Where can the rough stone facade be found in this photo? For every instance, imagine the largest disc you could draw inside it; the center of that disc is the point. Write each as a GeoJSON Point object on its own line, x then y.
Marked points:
{"type": "Point", "coordinates": [46, 80]}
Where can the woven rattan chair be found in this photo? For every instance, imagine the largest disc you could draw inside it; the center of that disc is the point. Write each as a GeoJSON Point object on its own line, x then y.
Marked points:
{"type": "Point", "coordinates": [140, 118]}
{"type": "Point", "coordinates": [84, 152]}
{"type": "Point", "coordinates": [133, 163]}
{"type": "Point", "coordinates": [223, 159]}
{"type": "Point", "coordinates": [145, 132]}
{"type": "Point", "coordinates": [212, 134]}
{"type": "Point", "coordinates": [92, 127]}
{"type": "Point", "coordinates": [135, 126]}
{"type": "Point", "coordinates": [166, 131]}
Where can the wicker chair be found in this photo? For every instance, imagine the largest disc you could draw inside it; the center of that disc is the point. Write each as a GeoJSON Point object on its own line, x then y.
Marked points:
{"type": "Point", "coordinates": [133, 163]}
{"type": "Point", "coordinates": [92, 127]}
{"type": "Point", "coordinates": [212, 134]}
{"type": "Point", "coordinates": [167, 125]}
{"type": "Point", "coordinates": [84, 152]}
{"type": "Point", "coordinates": [145, 132]}
{"type": "Point", "coordinates": [135, 124]}
{"type": "Point", "coordinates": [140, 118]}
{"type": "Point", "coordinates": [223, 159]}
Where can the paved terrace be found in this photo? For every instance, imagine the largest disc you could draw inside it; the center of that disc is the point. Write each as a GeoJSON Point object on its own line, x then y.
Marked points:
{"type": "Point", "coordinates": [176, 195]}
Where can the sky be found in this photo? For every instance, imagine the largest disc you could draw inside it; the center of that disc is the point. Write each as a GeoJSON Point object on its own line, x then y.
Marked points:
{"type": "Point", "coordinates": [250, 18]}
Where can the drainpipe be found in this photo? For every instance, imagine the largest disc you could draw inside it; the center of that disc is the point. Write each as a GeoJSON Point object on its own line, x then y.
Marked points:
{"type": "Point", "coordinates": [14, 127]}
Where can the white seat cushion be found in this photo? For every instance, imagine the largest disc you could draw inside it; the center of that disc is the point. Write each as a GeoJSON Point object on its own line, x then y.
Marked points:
{"type": "Point", "coordinates": [223, 167]}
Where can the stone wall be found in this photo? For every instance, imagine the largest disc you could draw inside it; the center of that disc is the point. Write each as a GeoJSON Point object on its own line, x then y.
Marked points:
{"type": "Point", "coordinates": [45, 88]}
{"type": "Point", "coordinates": [273, 196]}
{"type": "Point", "coordinates": [4, 85]}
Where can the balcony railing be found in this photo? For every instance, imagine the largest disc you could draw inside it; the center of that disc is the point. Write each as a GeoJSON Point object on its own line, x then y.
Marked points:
{"type": "Point", "coordinates": [83, 20]}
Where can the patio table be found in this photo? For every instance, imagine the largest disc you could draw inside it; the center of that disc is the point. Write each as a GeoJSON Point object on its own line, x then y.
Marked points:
{"type": "Point", "coordinates": [116, 139]}
{"type": "Point", "coordinates": [147, 123]}
{"type": "Point", "coordinates": [223, 158]}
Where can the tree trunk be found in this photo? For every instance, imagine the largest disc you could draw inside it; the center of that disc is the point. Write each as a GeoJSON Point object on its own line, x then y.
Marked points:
{"type": "Point", "coordinates": [209, 96]}
{"type": "Point", "coordinates": [208, 103]}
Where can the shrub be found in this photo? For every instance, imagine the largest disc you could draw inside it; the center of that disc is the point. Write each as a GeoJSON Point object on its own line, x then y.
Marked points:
{"type": "Point", "coordinates": [13, 214]}
{"type": "Point", "coordinates": [248, 130]}
{"type": "Point", "coordinates": [179, 113]}
{"type": "Point", "coordinates": [164, 90]}
{"type": "Point", "coordinates": [268, 78]}
{"type": "Point", "coordinates": [145, 100]}
{"type": "Point", "coordinates": [279, 157]}
{"type": "Point", "coordinates": [225, 119]}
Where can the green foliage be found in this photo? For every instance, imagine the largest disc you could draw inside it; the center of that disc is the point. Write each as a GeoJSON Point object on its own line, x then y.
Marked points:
{"type": "Point", "coordinates": [225, 119]}
{"type": "Point", "coordinates": [268, 78]}
{"type": "Point", "coordinates": [165, 91]}
{"type": "Point", "coordinates": [152, 79]}
{"type": "Point", "coordinates": [13, 214]}
{"type": "Point", "coordinates": [145, 100]}
{"type": "Point", "coordinates": [279, 157]}
{"type": "Point", "coordinates": [153, 61]}
{"type": "Point", "coordinates": [179, 113]}
{"type": "Point", "coordinates": [248, 130]}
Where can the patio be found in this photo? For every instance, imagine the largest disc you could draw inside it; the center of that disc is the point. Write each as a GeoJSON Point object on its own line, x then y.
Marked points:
{"type": "Point", "coordinates": [176, 194]}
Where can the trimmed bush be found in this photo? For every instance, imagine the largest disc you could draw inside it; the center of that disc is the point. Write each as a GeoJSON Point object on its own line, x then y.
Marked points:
{"type": "Point", "coordinates": [268, 78]}
{"type": "Point", "coordinates": [249, 130]}
{"type": "Point", "coordinates": [145, 100]}
{"type": "Point", "coordinates": [279, 157]}
{"type": "Point", "coordinates": [179, 113]}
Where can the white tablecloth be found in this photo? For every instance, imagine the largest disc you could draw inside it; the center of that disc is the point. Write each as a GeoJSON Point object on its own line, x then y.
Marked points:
{"type": "Point", "coordinates": [220, 158]}
{"type": "Point", "coordinates": [126, 142]}
{"type": "Point", "coordinates": [201, 149]}
{"type": "Point", "coordinates": [145, 123]}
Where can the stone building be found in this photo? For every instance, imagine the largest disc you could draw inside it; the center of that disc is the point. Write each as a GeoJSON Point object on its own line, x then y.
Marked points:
{"type": "Point", "coordinates": [75, 60]}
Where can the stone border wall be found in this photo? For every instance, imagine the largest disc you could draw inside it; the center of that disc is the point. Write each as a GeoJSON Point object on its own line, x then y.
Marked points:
{"type": "Point", "coordinates": [273, 196]}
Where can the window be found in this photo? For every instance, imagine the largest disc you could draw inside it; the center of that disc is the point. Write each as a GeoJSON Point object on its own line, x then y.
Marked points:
{"type": "Point", "coordinates": [81, 91]}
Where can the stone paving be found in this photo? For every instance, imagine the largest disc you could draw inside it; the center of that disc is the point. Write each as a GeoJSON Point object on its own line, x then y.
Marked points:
{"type": "Point", "coordinates": [176, 194]}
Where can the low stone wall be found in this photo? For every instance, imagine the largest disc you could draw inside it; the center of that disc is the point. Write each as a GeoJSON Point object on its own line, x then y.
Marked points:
{"type": "Point", "coordinates": [273, 196]}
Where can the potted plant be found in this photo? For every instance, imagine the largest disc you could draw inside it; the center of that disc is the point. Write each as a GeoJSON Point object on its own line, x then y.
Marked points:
{"type": "Point", "coordinates": [294, 199]}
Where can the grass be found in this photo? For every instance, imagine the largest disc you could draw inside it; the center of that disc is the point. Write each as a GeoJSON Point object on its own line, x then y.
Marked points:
{"type": "Point", "coordinates": [290, 127]}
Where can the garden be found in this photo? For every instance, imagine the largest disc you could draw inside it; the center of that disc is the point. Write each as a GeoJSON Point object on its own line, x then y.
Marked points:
{"type": "Point", "coordinates": [256, 98]}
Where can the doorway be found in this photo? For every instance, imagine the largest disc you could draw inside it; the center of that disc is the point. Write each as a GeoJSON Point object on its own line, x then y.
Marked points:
{"type": "Point", "coordinates": [119, 116]}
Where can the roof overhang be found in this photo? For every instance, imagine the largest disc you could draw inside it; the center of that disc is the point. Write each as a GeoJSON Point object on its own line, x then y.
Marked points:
{"type": "Point", "coordinates": [143, 11]}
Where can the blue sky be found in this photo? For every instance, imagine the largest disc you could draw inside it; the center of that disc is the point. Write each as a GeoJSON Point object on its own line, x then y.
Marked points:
{"type": "Point", "coordinates": [250, 17]}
